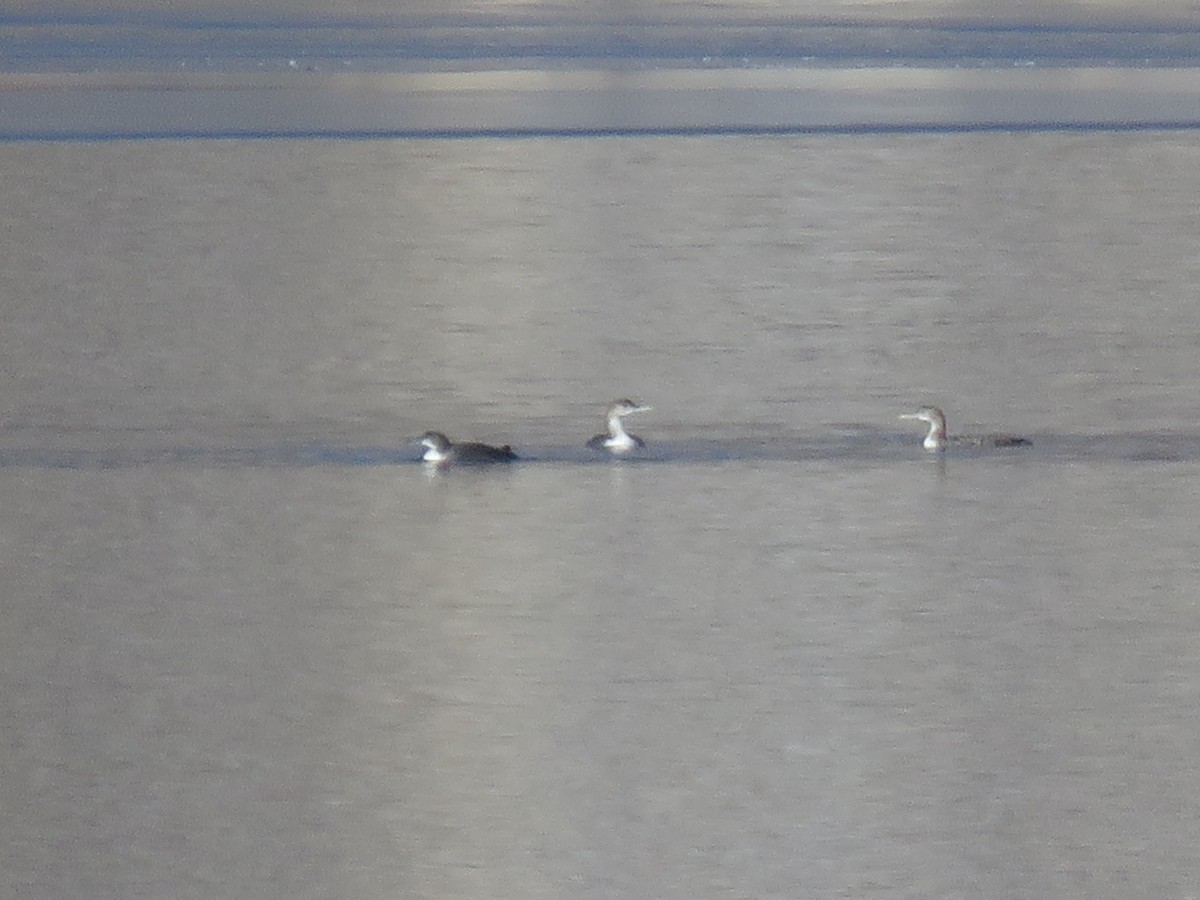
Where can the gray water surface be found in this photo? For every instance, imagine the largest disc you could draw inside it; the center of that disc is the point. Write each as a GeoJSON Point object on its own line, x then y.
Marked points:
{"type": "Point", "coordinates": [252, 648]}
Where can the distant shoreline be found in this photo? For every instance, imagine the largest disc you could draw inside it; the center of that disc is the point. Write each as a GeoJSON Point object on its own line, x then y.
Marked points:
{"type": "Point", "coordinates": [131, 105]}
{"type": "Point", "coordinates": [549, 36]}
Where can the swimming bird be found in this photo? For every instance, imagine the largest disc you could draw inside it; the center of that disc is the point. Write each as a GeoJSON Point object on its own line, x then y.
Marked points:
{"type": "Point", "coordinates": [938, 439]}
{"type": "Point", "coordinates": [439, 449]}
{"type": "Point", "coordinates": [618, 440]}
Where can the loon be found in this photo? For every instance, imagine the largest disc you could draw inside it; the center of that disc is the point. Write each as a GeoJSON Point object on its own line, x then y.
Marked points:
{"type": "Point", "coordinates": [438, 449]}
{"type": "Point", "coordinates": [937, 439]}
{"type": "Point", "coordinates": [618, 440]}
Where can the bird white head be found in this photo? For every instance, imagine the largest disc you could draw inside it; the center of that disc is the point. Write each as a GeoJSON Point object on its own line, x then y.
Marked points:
{"type": "Point", "coordinates": [936, 438]}
{"type": "Point", "coordinates": [626, 407]}
{"type": "Point", "coordinates": [618, 440]}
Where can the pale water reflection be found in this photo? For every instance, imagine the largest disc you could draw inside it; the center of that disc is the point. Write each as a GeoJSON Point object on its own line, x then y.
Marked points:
{"type": "Point", "coordinates": [252, 649]}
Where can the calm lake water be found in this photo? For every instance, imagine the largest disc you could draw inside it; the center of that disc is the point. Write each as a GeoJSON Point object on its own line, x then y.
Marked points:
{"type": "Point", "coordinates": [252, 648]}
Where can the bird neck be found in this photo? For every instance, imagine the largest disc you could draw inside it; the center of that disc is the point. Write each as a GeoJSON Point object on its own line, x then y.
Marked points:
{"type": "Point", "coordinates": [936, 438]}
{"type": "Point", "coordinates": [616, 430]}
